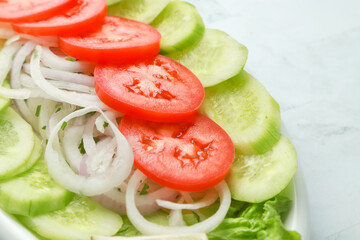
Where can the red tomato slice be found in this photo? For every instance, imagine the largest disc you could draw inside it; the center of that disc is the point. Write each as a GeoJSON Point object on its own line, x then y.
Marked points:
{"type": "Point", "coordinates": [118, 40]}
{"type": "Point", "coordinates": [159, 90]}
{"type": "Point", "coordinates": [85, 15]}
{"type": "Point", "coordinates": [31, 10]}
{"type": "Point", "coordinates": [190, 156]}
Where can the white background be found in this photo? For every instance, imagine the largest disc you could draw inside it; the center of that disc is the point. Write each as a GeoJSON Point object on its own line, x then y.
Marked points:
{"type": "Point", "coordinates": [307, 54]}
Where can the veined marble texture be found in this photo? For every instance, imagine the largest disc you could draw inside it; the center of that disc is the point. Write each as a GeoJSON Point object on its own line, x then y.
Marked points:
{"type": "Point", "coordinates": [307, 54]}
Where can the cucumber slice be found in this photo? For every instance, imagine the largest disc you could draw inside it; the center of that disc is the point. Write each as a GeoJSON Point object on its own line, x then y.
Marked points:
{"type": "Point", "coordinates": [140, 10]}
{"type": "Point", "coordinates": [5, 102]}
{"type": "Point", "coordinates": [81, 219]}
{"type": "Point", "coordinates": [112, 2]}
{"type": "Point", "coordinates": [180, 25]}
{"type": "Point", "coordinates": [34, 157]}
{"type": "Point", "coordinates": [246, 111]}
{"type": "Point", "coordinates": [33, 193]}
{"type": "Point", "coordinates": [256, 178]}
{"type": "Point", "coordinates": [16, 142]}
{"type": "Point", "coordinates": [216, 58]}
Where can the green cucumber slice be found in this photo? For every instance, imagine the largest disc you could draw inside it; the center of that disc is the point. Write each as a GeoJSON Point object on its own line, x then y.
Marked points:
{"type": "Point", "coordinates": [256, 178]}
{"type": "Point", "coordinates": [34, 157]}
{"type": "Point", "coordinates": [81, 219]}
{"type": "Point", "coordinates": [216, 58]}
{"type": "Point", "coordinates": [246, 111]}
{"type": "Point", "coordinates": [140, 10]}
{"type": "Point", "coordinates": [5, 102]}
{"type": "Point", "coordinates": [180, 25]}
{"type": "Point", "coordinates": [33, 193]}
{"type": "Point", "coordinates": [16, 142]}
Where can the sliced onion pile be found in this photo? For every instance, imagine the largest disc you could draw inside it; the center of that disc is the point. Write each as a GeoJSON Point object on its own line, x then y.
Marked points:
{"type": "Point", "coordinates": [149, 228]}
{"type": "Point", "coordinates": [62, 80]}
{"type": "Point", "coordinates": [105, 171]}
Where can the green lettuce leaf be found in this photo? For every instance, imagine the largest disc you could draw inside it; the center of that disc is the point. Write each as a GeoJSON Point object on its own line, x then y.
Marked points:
{"type": "Point", "coordinates": [255, 221]}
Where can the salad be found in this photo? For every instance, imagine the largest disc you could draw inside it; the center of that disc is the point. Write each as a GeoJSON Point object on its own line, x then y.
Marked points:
{"type": "Point", "coordinates": [103, 138]}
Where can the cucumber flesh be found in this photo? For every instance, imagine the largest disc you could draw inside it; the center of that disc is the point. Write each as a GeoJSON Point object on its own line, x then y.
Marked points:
{"type": "Point", "coordinates": [81, 219]}
{"type": "Point", "coordinates": [216, 58]}
{"type": "Point", "coordinates": [256, 178]}
{"type": "Point", "coordinates": [34, 157]}
{"type": "Point", "coordinates": [140, 10]}
{"type": "Point", "coordinates": [4, 102]}
{"type": "Point", "coordinates": [16, 142]}
{"type": "Point", "coordinates": [246, 111]}
{"type": "Point", "coordinates": [33, 193]}
{"type": "Point", "coordinates": [112, 2]}
{"type": "Point", "coordinates": [180, 25]}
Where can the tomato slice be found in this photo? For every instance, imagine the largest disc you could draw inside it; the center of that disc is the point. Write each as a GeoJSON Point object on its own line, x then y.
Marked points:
{"type": "Point", "coordinates": [83, 16]}
{"type": "Point", "coordinates": [190, 156]}
{"type": "Point", "coordinates": [31, 10]}
{"type": "Point", "coordinates": [117, 40]}
{"type": "Point", "coordinates": [159, 90]}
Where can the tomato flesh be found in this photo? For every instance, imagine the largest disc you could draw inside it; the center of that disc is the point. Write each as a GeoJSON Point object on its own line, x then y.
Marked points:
{"type": "Point", "coordinates": [160, 89]}
{"type": "Point", "coordinates": [190, 156]}
{"type": "Point", "coordinates": [31, 10]}
{"type": "Point", "coordinates": [81, 17]}
{"type": "Point", "coordinates": [118, 40]}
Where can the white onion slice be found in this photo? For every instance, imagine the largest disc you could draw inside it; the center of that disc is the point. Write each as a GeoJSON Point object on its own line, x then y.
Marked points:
{"type": "Point", "coordinates": [88, 136]}
{"type": "Point", "coordinates": [6, 55]}
{"type": "Point", "coordinates": [115, 200]}
{"type": "Point", "coordinates": [79, 99]}
{"type": "Point", "coordinates": [60, 75]}
{"type": "Point", "coordinates": [58, 113]}
{"type": "Point", "coordinates": [53, 61]}
{"type": "Point", "coordinates": [209, 199]}
{"type": "Point", "coordinates": [71, 141]}
{"type": "Point", "coordinates": [176, 217]}
{"type": "Point", "coordinates": [149, 228]}
{"type": "Point", "coordinates": [94, 185]}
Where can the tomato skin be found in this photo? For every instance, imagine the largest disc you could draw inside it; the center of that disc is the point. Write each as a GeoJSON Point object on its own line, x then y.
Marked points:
{"type": "Point", "coordinates": [94, 46]}
{"type": "Point", "coordinates": [83, 16]}
{"type": "Point", "coordinates": [190, 156]}
{"type": "Point", "coordinates": [159, 90]}
{"type": "Point", "coordinates": [14, 13]}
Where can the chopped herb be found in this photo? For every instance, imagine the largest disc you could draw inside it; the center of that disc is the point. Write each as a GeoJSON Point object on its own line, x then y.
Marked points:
{"type": "Point", "coordinates": [197, 216]}
{"type": "Point", "coordinates": [46, 142]}
{"type": "Point", "coordinates": [44, 127]}
{"type": "Point", "coordinates": [71, 59]}
{"type": "Point", "coordinates": [96, 139]}
{"type": "Point", "coordinates": [63, 126]}
{"type": "Point", "coordinates": [35, 54]}
{"type": "Point", "coordinates": [119, 189]}
{"type": "Point", "coordinates": [92, 74]}
{"type": "Point", "coordinates": [144, 190]}
{"type": "Point", "coordinates": [105, 124]}
{"type": "Point", "coordinates": [81, 147]}
{"type": "Point", "coordinates": [38, 109]}
{"type": "Point", "coordinates": [57, 110]}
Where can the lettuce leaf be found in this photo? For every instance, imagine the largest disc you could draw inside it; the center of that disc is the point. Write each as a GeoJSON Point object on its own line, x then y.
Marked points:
{"type": "Point", "coordinates": [255, 221]}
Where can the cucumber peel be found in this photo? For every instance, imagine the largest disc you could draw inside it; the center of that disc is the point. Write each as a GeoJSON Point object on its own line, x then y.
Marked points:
{"type": "Point", "coordinates": [215, 58]}
{"type": "Point", "coordinates": [256, 178]}
{"type": "Point", "coordinates": [246, 111]}
{"type": "Point", "coordinates": [180, 25]}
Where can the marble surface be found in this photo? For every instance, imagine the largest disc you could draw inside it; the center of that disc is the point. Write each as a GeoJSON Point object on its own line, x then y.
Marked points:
{"type": "Point", "coordinates": [307, 54]}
